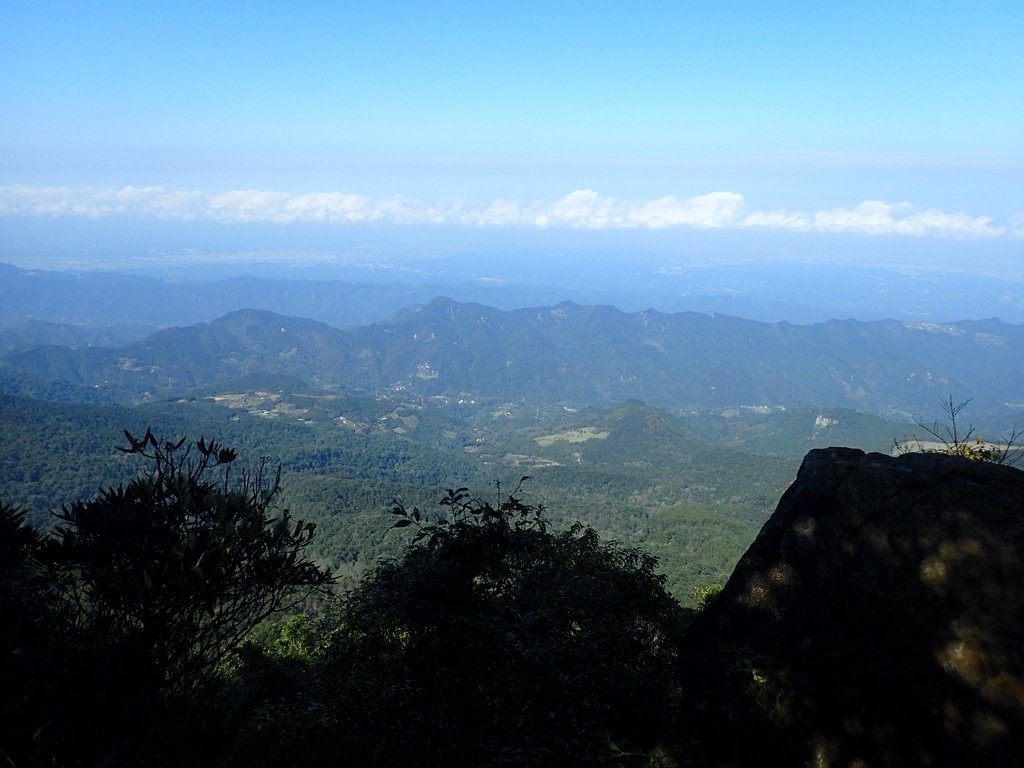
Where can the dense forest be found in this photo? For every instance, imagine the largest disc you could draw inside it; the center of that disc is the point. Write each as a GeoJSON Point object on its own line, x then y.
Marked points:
{"type": "Point", "coordinates": [692, 489]}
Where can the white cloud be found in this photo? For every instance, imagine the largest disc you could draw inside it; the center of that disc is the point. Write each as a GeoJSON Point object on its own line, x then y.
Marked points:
{"type": "Point", "coordinates": [874, 217]}
{"type": "Point", "coordinates": [790, 220]}
{"type": "Point", "coordinates": [715, 210]}
{"type": "Point", "coordinates": [581, 209]}
{"type": "Point", "coordinates": [100, 203]}
{"type": "Point", "coordinates": [282, 208]}
{"type": "Point", "coordinates": [1016, 225]}
{"type": "Point", "coordinates": [500, 213]}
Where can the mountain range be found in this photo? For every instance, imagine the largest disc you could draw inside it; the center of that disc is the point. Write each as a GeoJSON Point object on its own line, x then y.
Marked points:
{"type": "Point", "coordinates": [98, 304]}
{"type": "Point", "coordinates": [566, 353]}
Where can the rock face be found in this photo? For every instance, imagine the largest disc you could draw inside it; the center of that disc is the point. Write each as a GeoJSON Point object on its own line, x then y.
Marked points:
{"type": "Point", "coordinates": [877, 620]}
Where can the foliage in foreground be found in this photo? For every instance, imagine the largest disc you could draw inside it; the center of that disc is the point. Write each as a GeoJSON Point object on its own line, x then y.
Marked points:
{"type": "Point", "coordinates": [124, 613]}
{"type": "Point", "coordinates": [524, 646]}
{"type": "Point", "coordinates": [491, 641]}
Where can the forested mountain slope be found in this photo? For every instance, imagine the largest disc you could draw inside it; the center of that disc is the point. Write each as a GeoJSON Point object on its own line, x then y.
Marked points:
{"type": "Point", "coordinates": [634, 472]}
{"type": "Point", "coordinates": [570, 354]}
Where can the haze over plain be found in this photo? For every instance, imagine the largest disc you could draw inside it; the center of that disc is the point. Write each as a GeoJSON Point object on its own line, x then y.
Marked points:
{"type": "Point", "coordinates": [173, 134]}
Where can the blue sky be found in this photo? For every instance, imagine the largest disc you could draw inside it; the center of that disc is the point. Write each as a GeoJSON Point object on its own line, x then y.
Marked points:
{"type": "Point", "coordinates": [860, 120]}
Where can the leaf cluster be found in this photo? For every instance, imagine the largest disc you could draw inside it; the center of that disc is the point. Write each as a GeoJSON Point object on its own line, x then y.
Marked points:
{"type": "Point", "coordinates": [137, 597]}
{"type": "Point", "coordinates": [177, 564]}
{"type": "Point", "coordinates": [465, 511]}
{"type": "Point", "coordinates": [496, 641]}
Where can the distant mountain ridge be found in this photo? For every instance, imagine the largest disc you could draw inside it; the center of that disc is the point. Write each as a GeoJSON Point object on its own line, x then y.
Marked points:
{"type": "Point", "coordinates": [35, 332]}
{"type": "Point", "coordinates": [102, 304]}
{"type": "Point", "coordinates": [102, 299]}
{"type": "Point", "coordinates": [569, 353]}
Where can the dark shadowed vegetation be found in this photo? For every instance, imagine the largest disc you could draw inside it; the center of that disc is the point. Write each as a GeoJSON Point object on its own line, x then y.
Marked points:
{"type": "Point", "coordinates": [491, 640]}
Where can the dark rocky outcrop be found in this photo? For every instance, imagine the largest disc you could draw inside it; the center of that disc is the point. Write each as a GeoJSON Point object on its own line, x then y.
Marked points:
{"type": "Point", "coordinates": [877, 620]}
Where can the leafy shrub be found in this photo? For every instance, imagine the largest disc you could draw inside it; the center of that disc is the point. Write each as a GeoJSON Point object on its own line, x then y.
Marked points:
{"type": "Point", "coordinates": [494, 641]}
{"type": "Point", "coordinates": [140, 593]}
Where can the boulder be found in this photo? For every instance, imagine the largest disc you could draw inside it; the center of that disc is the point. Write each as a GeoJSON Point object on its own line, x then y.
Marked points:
{"type": "Point", "coordinates": [877, 620]}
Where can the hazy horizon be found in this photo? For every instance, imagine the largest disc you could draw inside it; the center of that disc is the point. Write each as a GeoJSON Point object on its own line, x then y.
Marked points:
{"type": "Point", "coordinates": [160, 134]}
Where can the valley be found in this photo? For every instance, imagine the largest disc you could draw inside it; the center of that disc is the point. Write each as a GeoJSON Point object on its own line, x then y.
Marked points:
{"type": "Point", "coordinates": [676, 432]}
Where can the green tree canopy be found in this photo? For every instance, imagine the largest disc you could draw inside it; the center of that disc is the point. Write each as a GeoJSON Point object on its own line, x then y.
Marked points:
{"type": "Point", "coordinates": [495, 641]}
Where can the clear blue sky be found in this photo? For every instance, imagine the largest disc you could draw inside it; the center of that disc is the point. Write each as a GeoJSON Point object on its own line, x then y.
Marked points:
{"type": "Point", "coordinates": [878, 118]}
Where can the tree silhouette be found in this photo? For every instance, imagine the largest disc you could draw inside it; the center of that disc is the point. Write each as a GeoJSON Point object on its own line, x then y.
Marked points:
{"type": "Point", "coordinates": [173, 570]}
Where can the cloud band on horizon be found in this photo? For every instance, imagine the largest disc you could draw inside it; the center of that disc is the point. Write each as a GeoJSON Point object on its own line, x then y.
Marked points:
{"type": "Point", "coordinates": [581, 209]}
